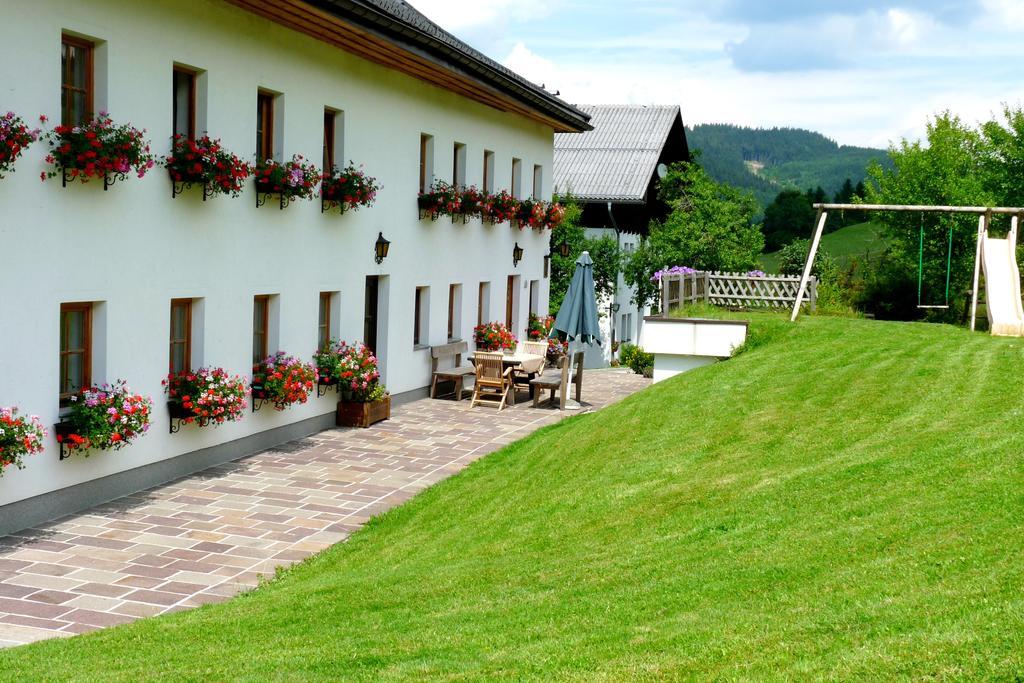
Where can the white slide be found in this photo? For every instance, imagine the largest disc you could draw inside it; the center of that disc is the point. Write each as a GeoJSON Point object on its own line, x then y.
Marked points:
{"type": "Point", "coordinates": [1002, 284]}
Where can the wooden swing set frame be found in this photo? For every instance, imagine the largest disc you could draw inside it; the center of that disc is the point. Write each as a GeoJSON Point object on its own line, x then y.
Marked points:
{"type": "Point", "coordinates": [984, 214]}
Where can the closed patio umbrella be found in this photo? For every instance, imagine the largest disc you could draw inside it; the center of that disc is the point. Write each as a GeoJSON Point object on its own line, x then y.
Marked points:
{"type": "Point", "coordinates": [577, 318]}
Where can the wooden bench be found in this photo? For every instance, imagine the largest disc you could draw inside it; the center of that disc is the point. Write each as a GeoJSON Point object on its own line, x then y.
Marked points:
{"type": "Point", "coordinates": [450, 356]}
{"type": "Point", "coordinates": [555, 379]}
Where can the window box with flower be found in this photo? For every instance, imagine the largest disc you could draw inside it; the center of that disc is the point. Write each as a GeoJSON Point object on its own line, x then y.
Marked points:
{"type": "Point", "coordinates": [328, 361]}
{"type": "Point", "coordinates": [532, 213]}
{"type": "Point", "coordinates": [107, 417]}
{"type": "Point", "coordinates": [208, 396]}
{"type": "Point", "coordinates": [15, 136]}
{"type": "Point", "coordinates": [499, 208]}
{"type": "Point", "coordinates": [493, 336]}
{"type": "Point", "coordinates": [98, 149]}
{"type": "Point", "coordinates": [442, 199]}
{"type": "Point", "coordinates": [19, 436]}
{"type": "Point", "coordinates": [555, 214]}
{"type": "Point", "coordinates": [349, 188]}
{"type": "Point", "coordinates": [291, 180]}
{"type": "Point", "coordinates": [471, 202]}
{"type": "Point", "coordinates": [205, 162]}
{"type": "Point", "coordinates": [282, 381]}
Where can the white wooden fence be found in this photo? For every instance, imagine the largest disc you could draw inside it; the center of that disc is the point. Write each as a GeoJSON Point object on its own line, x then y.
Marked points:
{"type": "Point", "coordinates": [737, 290]}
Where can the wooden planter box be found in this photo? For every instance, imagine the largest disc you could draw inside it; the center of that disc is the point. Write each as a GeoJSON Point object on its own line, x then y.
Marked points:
{"type": "Point", "coordinates": [352, 414]}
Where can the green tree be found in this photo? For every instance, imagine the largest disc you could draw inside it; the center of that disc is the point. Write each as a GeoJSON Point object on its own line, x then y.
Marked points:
{"type": "Point", "coordinates": [1004, 161]}
{"type": "Point", "coordinates": [709, 228]}
{"type": "Point", "coordinates": [603, 250]}
{"type": "Point", "coordinates": [571, 232]}
{"type": "Point", "coordinates": [788, 217]}
{"type": "Point", "coordinates": [952, 167]}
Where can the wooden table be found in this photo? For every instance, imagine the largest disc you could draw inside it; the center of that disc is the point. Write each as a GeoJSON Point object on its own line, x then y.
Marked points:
{"type": "Point", "coordinates": [518, 361]}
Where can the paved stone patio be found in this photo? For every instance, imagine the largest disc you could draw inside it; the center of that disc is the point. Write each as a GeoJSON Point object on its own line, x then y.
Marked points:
{"type": "Point", "coordinates": [209, 536]}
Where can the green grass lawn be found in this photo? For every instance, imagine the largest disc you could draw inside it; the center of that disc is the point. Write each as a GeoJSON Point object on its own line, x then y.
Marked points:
{"type": "Point", "coordinates": [844, 499]}
{"type": "Point", "coordinates": [852, 242]}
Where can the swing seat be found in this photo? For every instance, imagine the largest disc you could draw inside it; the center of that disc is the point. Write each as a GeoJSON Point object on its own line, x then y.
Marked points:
{"type": "Point", "coordinates": [940, 306]}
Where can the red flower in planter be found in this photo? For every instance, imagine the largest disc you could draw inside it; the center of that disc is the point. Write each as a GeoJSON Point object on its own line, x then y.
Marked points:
{"type": "Point", "coordinates": [98, 149]}
{"type": "Point", "coordinates": [206, 162]}
{"type": "Point", "coordinates": [349, 188]}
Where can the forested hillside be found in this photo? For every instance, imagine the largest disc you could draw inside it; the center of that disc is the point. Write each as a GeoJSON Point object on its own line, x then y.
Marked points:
{"type": "Point", "coordinates": [768, 160]}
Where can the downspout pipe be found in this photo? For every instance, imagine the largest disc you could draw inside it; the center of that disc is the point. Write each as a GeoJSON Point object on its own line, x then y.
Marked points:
{"type": "Point", "coordinates": [615, 288]}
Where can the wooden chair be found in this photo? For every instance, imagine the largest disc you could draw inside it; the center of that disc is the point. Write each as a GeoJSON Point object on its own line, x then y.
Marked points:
{"type": "Point", "coordinates": [555, 379]}
{"type": "Point", "coordinates": [537, 348]}
{"type": "Point", "coordinates": [577, 378]}
{"type": "Point", "coordinates": [493, 380]}
{"type": "Point", "coordinates": [456, 373]}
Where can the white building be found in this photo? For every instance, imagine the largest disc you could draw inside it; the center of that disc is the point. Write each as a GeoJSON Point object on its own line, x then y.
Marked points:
{"type": "Point", "coordinates": [380, 83]}
{"type": "Point", "coordinates": [613, 171]}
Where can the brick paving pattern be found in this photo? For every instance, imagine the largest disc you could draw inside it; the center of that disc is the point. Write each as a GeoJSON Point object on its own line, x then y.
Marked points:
{"type": "Point", "coordinates": [209, 536]}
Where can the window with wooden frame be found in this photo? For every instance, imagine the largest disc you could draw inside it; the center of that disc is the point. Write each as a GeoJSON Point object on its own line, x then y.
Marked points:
{"type": "Point", "coordinates": [459, 165]}
{"type": "Point", "coordinates": [517, 178]}
{"type": "Point", "coordinates": [483, 302]}
{"type": "Point", "coordinates": [181, 336]}
{"type": "Point", "coordinates": [454, 317]}
{"type": "Point", "coordinates": [184, 103]}
{"type": "Point", "coordinates": [418, 317]}
{"type": "Point", "coordinates": [260, 327]}
{"type": "Point", "coordinates": [488, 171]}
{"type": "Point", "coordinates": [75, 348]}
{"type": "Point", "coordinates": [329, 132]}
{"type": "Point", "coordinates": [77, 89]}
{"type": "Point", "coordinates": [323, 330]}
{"type": "Point", "coordinates": [426, 161]}
{"type": "Point", "coordinates": [264, 126]}
{"type": "Point", "coordinates": [510, 293]}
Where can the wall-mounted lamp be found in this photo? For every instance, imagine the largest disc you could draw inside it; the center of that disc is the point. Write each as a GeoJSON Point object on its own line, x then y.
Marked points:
{"type": "Point", "coordinates": [380, 249]}
{"type": "Point", "coordinates": [563, 249]}
{"type": "Point", "coordinates": [615, 308]}
{"type": "Point", "coordinates": [517, 255]}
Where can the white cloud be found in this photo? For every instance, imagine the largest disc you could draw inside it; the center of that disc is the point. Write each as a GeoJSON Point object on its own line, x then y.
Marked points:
{"type": "Point", "coordinates": [1004, 14]}
{"type": "Point", "coordinates": [531, 65]}
{"type": "Point", "coordinates": [868, 76]}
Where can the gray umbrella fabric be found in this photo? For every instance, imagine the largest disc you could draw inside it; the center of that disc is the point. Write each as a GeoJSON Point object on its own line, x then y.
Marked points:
{"type": "Point", "coordinates": [577, 318]}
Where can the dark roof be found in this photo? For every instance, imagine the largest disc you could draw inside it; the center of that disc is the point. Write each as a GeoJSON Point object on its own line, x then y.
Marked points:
{"type": "Point", "coordinates": [400, 23]}
{"type": "Point", "coordinates": [616, 160]}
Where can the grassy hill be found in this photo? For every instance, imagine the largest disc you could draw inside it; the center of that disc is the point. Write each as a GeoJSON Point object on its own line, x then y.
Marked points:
{"type": "Point", "coordinates": [768, 160]}
{"type": "Point", "coordinates": [842, 500]}
{"type": "Point", "coordinates": [852, 242]}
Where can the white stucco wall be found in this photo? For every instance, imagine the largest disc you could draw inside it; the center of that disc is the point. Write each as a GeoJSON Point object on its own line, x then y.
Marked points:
{"type": "Point", "coordinates": [628, 320]}
{"type": "Point", "coordinates": [133, 248]}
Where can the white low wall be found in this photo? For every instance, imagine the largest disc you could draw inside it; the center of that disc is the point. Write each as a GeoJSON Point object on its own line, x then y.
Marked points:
{"type": "Point", "coordinates": [681, 344]}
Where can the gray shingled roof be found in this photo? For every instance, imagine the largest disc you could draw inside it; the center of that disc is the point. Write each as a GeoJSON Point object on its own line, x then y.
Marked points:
{"type": "Point", "coordinates": [615, 161]}
{"type": "Point", "coordinates": [404, 25]}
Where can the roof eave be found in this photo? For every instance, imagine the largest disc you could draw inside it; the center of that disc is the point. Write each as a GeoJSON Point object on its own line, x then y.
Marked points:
{"type": "Point", "coordinates": [425, 45]}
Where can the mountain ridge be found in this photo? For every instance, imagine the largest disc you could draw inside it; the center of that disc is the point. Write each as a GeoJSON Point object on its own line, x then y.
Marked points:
{"type": "Point", "coordinates": [784, 157]}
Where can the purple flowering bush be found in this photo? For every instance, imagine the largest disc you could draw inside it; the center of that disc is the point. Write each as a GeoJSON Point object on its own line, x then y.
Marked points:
{"type": "Point", "coordinates": [674, 270]}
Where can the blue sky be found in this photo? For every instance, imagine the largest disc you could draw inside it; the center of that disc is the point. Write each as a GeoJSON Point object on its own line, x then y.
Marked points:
{"type": "Point", "coordinates": [864, 73]}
